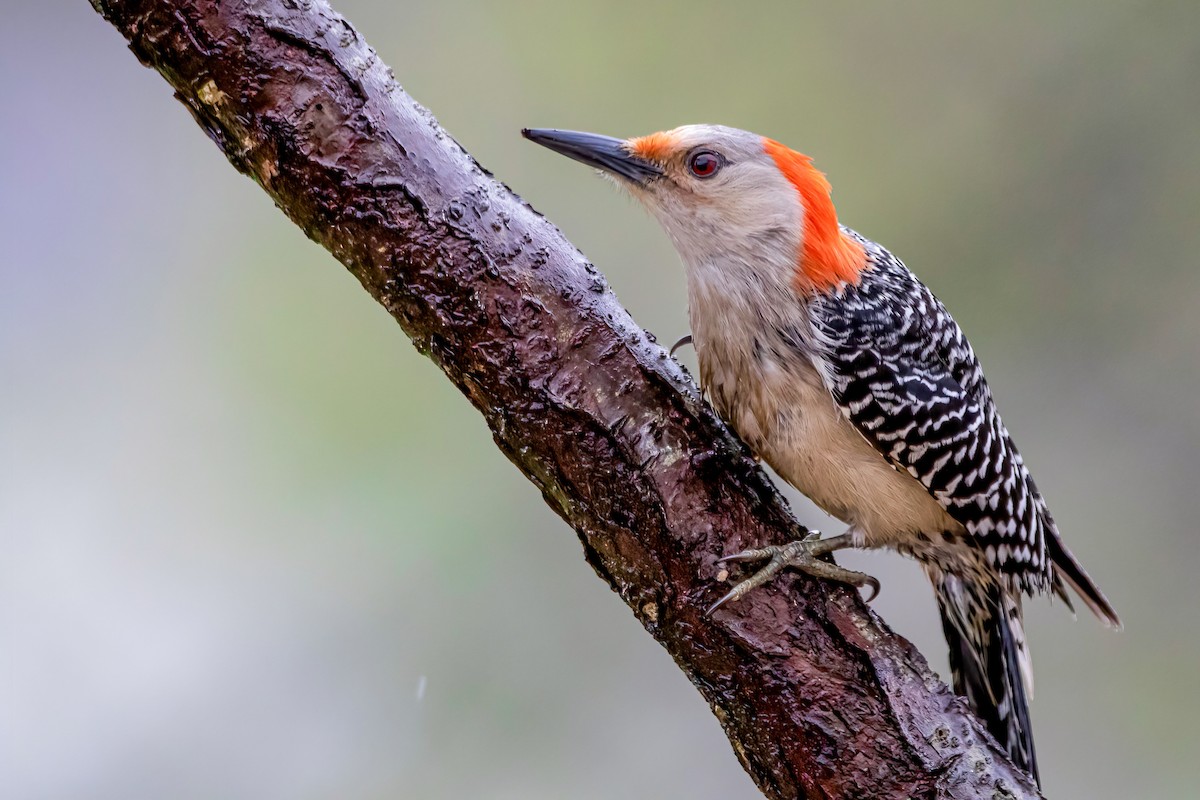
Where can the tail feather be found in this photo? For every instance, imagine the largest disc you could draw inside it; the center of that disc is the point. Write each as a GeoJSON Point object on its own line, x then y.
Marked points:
{"type": "Point", "coordinates": [1068, 569]}
{"type": "Point", "coordinates": [989, 662]}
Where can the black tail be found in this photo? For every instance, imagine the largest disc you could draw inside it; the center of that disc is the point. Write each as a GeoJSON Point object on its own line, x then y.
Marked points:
{"type": "Point", "coordinates": [1067, 568]}
{"type": "Point", "coordinates": [989, 662]}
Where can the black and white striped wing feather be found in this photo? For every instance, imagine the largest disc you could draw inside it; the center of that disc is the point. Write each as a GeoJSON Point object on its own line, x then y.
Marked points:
{"type": "Point", "coordinates": [906, 377]}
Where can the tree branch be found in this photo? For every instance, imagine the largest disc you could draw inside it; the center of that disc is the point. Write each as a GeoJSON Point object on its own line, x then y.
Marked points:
{"type": "Point", "coordinates": [817, 696]}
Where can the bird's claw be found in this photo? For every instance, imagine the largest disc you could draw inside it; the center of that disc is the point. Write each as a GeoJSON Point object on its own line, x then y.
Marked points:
{"type": "Point", "coordinates": [682, 341]}
{"type": "Point", "coordinates": [802, 554]}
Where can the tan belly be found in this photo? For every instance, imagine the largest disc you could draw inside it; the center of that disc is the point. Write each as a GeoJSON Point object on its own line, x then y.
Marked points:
{"type": "Point", "coordinates": [787, 416]}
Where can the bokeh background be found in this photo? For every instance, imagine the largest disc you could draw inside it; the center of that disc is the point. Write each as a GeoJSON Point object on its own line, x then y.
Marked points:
{"type": "Point", "coordinates": [253, 546]}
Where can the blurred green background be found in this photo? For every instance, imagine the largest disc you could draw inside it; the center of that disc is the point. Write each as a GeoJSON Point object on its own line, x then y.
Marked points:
{"type": "Point", "coordinates": [254, 546]}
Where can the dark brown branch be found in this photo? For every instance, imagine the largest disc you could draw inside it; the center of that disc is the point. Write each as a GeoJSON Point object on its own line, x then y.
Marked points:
{"type": "Point", "coordinates": [817, 696]}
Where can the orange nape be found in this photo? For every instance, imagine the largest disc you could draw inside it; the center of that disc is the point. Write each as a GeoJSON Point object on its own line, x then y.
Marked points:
{"type": "Point", "coordinates": [828, 257]}
{"type": "Point", "coordinates": [656, 147]}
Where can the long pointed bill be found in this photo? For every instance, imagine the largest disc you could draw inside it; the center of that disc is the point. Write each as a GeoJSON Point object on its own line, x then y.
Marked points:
{"type": "Point", "coordinates": [604, 152]}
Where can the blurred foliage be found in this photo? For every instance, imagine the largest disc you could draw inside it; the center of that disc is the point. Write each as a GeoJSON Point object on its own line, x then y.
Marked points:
{"type": "Point", "coordinates": [256, 547]}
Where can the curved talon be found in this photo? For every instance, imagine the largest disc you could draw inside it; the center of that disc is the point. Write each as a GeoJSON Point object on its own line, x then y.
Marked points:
{"type": "Point", "coordinates": [747, 555]}
{"type": "Point", "coordinates": [682, 341]}
{"type": "Point", "coordinates": [732, 594]}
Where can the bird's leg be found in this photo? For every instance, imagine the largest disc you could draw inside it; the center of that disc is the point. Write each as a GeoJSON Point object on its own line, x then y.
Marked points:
{"type": "Point", "coordinates": [803, 554]}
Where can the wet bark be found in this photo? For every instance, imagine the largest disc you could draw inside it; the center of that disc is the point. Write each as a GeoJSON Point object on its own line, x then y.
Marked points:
{"type": "Point", "coordinates": [818, 697]}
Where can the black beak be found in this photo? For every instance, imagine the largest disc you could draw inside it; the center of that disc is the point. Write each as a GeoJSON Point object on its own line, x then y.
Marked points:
{"type": "Point", "coordinates": [605, 152]}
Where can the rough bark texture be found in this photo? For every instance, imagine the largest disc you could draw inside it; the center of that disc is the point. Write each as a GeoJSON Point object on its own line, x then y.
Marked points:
{"type": "Point", "coordinates": [817, 696]}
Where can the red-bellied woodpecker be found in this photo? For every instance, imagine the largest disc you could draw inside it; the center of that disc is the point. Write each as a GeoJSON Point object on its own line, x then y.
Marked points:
{"type": "Point", "coordinates": [841, 369]}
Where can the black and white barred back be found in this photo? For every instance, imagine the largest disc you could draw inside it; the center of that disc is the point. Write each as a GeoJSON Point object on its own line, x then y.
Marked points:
{"type": "Point", "coordinates": [904, 374]}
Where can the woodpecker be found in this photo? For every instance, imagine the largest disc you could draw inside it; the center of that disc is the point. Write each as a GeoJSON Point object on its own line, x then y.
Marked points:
{"type": "Point", "coordinates": [840, 369]}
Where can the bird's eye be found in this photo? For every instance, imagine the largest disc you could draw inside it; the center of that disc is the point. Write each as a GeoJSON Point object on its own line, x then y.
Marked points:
{"type": "Point", "coordinates": [704, 164]}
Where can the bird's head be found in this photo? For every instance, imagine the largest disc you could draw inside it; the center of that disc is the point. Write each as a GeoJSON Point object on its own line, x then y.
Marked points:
{"type": "Point", "coordinates": [727, 196]}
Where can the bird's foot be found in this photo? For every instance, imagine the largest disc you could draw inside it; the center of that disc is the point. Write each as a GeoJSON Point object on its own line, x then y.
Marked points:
{"type": "Point", "coordinates": [802, 554]}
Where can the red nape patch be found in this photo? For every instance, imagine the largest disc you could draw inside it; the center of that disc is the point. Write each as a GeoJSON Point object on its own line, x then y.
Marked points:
{"type": "Point", "coordinates": [828, 257]}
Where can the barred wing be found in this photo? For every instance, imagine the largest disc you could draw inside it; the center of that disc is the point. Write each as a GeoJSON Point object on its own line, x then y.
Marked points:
{"type": "Point", "coordinates": [904, 375]}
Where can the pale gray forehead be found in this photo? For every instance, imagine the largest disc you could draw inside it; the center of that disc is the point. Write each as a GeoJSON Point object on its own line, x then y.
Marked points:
{"type": "Point", "coordinates": [731, 142]}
